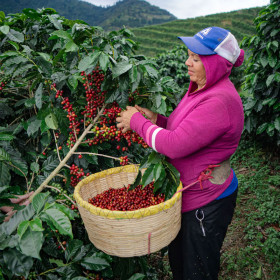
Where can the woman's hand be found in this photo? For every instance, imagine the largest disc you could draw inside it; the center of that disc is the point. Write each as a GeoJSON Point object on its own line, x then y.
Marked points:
{"type": "Point", "coordinates": [20, 200]}
{"type": "Point", "coordinates": [125, 117]}
{"type": "Point", "coordinates": [149, 114]}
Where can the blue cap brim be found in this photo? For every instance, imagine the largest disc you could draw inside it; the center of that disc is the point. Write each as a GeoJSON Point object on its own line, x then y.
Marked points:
{"type": "Point", "coordinates": [195, 46]}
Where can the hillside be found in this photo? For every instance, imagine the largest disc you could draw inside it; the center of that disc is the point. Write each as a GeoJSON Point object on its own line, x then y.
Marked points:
{"type": "Point", "coordinates": [129, 13]}
{"type": "Point", "coordinates": [156, 39]}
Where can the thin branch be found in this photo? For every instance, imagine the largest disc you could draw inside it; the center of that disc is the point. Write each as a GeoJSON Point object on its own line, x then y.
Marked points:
{"type": "Point", "coordinates": [94, 154]}
{"type": "Point", "coordinates": [57, 150]}
{"type": "Point", "coordinates": [33, 173]}
{"type": "Point", "coordinates": [20, 172]}
{"type": "Point", "coordinates": [60, 175]}
{"type": "Point", "coordinates": [15, 120]}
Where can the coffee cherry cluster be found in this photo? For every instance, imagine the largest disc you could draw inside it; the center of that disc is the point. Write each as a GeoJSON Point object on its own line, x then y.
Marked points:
{"type": "Point", "coordinates": [126, 199]}
{"type": "Point", "coordinates": [123, 160]}
{"type": "Point", "coordinates": [2, 85]}
{"type": "Point", "coordinates": [77, 173]}
{"type": "Point", "coordinates": [105, 130]}
{"type": "Point", "coordinates": [95, 98]}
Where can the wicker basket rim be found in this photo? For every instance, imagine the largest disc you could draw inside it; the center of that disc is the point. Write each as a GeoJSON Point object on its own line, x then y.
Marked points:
{"type": "Point", "coordinates": [136, 214]}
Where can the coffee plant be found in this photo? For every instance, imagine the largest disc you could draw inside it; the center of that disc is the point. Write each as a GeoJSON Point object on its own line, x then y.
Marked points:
{"type": "Point", "coordinates": [63, 83]}
{"type": "Point", "coordinates": [262, 109]}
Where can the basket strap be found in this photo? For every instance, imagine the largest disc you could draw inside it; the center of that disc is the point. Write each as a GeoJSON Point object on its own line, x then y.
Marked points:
{"type": "Point", "coordinates": [204, 175]}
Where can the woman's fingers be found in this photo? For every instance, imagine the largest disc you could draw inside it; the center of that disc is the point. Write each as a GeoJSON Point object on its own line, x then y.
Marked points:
{"type": "Point", "coordinates": [21, 197]}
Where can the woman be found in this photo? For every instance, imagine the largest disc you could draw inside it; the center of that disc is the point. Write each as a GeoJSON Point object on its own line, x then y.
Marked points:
{"type": "Point", "coordinates": [204, 130]}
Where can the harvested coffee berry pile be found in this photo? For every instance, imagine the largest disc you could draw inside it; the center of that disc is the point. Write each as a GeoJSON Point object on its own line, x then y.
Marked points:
{"type": "Point", "coordinates": [124, 199]}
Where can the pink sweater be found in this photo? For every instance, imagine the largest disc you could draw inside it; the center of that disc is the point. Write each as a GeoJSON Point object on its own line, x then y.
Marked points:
{"type": "Point", "coordinates": [205, 128]}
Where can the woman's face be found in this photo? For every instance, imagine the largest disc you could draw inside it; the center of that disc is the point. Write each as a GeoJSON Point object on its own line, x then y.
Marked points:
{"type": "Point", "coordinates": [196, 69]}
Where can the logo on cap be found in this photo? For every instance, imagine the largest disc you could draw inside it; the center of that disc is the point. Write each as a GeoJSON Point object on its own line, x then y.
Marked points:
{"type": "Point", "coordinates": [204, 32]}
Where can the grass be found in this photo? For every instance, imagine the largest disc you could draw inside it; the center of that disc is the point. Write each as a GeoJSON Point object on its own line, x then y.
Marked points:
{"type": "Point", "coordinates": [251, 249]}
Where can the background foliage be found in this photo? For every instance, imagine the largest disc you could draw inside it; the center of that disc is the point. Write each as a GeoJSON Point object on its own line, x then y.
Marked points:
{"type": "Point", "coordinates": [128, 13]}
{"type": "Point", "coordinates": [262, 108]}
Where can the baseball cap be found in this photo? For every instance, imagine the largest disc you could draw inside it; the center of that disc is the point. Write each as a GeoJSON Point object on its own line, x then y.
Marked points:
{"type": "Point", "coordinates": [214, 40]}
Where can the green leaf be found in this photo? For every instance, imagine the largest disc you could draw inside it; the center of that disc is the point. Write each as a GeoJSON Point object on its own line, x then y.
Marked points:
{"type": "Point", "coordinates": [174, 173]}
{"type": "Point", "coordinates": [151, 71]}
{"type": "Point", "coordinates": [133, 74]}
{"type": "Point", "coordinates": [22, 70]}
{"type": "Point", "coordinates": [39, 201]}
{"type": "Point", "coordinates": [22, 228]}
{"type": "Point", "coordinates": [51, 121]}
{"type": "Point", "coordinates": [95, 263]}
{"type": "Point", "coordinates": [34, 167]}
{"type": "Point", "coordinates": [93, 159]}
{"type": "Point", "coordinates": [277, 123]}
{"type": "Point", "coordinates": [8, 53]}
{"type": "Point", "coordinates": [104, 61]}
{"type": "Point", "coordinates": [31, 13]}
{"type": "Point", "coordinates": [73, 81]}
{"type": "Point", "coordinates": [31, 243]}
{"type": "Point", "coordinates": [50, 164]}
{"type": "Point", "coordinates": [33, 127]}
{"type": "Point", "coordinates": [121, 68]}
{"type": "Point", "coordinates": [2, 15]}
{"type": "Point", "coordinates": [36, 225]}
{"type": "Point", "coordinates": [18, 263]}
{"type": "Point", "coordinates": [71, 47]}
{"type": "Point", "coordinates": [60, 221]}
{"type": "Point", "coordinates": [29, 102]}
{"type": "Point", "coordinates": [20, 216]}
{"type": "Point", "coordinates": [6, 137]}
{"type": "Point", "coordinates": [5, 29]}
{"type": "Point", "coordinates": [264, 61]}
{"type": "Point", "coordinates": [163, 107]}
{"type": "Point", "coordinates": [58, 262]}
{"type": "Point", "coordinates": [272, 60]}
{"type": "Point", "coordinates": [269, 80]}
{"type": "Point", "coordinates": [22, 168]}
{"type": "Point", "coordinates": [154, 157]}
{"type": "Point", "coordinates": [159, 172]}
{"type": "Point", "coordinates": [270, 129]}
{"type": "Point", "coordinates": [5, 176]}
{"type": "Point", "coordinates": [14, 44]}
{"type": "Point", "coordinates": [44, 67]}
{"type": "Point", "coordinates": [259, 273]}
{"type": "Point", "coordinates": [4, 188]}
{"type": "Point", "coordinates": [8, 241]}
{"type": "Point", "coordinates": [137, 276]}
{"type": "Point", "coordinates": [55, 22]}
{"type": "Point", "coordinates": [137, 180]}
{"type": "Point", "coordinates": [4, 156]}
{"type": "Point", "coordinates": [66, 210]}
{"type": "Point", "coordinates": [148, 176]}
{"type": "Point", "coordinates": [15, 36]}
{"type": "Point", "coordinates": [75, 250]}
{"type": "Point", "coordinates": [89, 61]}
{"type": "Point", "coordinates": [38, 96]}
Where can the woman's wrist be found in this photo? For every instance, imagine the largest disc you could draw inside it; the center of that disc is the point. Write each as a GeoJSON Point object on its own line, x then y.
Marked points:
{"type": "Point", "coordinates": [154, 118]}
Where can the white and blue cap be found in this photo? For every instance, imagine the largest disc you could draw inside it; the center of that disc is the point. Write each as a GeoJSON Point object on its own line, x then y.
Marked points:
{"type": "Point", "coordinates": [214, 40]}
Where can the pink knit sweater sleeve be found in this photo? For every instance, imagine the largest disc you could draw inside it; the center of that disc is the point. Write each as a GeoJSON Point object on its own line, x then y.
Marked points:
{"type": "Point", "coordinates": [207, 122]}
{"type": "Point", "coordinates": [161, 121]}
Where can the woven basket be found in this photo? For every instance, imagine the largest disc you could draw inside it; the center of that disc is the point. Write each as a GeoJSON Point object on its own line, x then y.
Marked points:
{"type": "Point", "coordinates": [126, 233]}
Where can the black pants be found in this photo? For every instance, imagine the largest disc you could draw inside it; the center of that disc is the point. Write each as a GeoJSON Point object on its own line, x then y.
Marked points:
{"type": "Point", "coordinates": [194, 254]}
